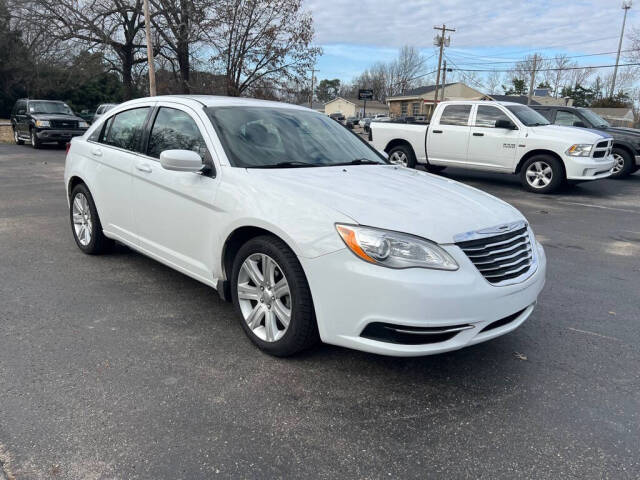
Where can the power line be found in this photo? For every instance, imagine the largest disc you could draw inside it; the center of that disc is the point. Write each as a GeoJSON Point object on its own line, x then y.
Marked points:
{"type": "Point", "coordinates": [547, 58]}
{"type": "Point", "coordinates": [551, 69]}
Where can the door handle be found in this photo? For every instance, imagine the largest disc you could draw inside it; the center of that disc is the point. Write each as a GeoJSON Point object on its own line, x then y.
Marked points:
{"type": "Point", "coordinates": [96, 152]}
{"type": "Point", "coordinates": [143, 167]}
{"type": "Point", "coordinates": [478, 134]}
{"type": "Point", "coordinates": [437, 131]}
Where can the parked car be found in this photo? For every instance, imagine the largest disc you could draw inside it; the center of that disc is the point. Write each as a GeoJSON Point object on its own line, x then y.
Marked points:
{"type": "Point", "coordinates": [351, 122]}
{"type": "Point", "coordinates": [626, 141]}
{"type": "Point", "coordinates": [499, 137]}
{"type": "Point", "coordinates": [45, 121]}
{"type": "Point", "coordinates": [364, 122]}
{"type": "Point", "coordinates": [300, 224]}
{"type": "Point", "coordinates": [103, 108]}
{"type": "Point", "coordinates": [338, 117]}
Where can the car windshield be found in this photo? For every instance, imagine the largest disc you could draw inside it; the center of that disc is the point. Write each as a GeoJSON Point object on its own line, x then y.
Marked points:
{"type": "Point", "coordinates": [595, 119]}
{"type": "Point", "coordinates": [49, 107]}
{"type": "Point", "coordinates": [258, 137]}
{"type": "Point", "coordinates": [527, 115]}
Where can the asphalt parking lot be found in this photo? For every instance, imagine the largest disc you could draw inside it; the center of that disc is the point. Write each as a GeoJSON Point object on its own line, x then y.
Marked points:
{"type": "Point", "coordinates": [118, 367]}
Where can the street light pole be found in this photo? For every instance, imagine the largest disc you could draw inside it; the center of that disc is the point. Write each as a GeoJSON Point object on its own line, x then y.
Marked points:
{"type": "Point", "coordinates": [152, 68]}
{"type": "Point", "coordinates": [626, 5]}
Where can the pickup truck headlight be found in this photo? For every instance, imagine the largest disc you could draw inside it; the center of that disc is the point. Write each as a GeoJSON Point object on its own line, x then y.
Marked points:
{"type": "Point", "coordinates": [580, 150]}
{"type": "Point", "coordinates": [83, 125]}
{"type": "Point", "coordinates": [43, 123]}
{"type": "Point", "coordinates": [394, 249]}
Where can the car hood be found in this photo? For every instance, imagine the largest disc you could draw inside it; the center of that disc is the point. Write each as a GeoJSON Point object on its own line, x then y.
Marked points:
{"type": "Point", "coordinates": [570, 134]}
{"type": "Point", "coordinates": [394, 198]}
{"type": "Point", "coordinates": [56, 116]}
{"type": "Point", "coordinates": [627, 132]}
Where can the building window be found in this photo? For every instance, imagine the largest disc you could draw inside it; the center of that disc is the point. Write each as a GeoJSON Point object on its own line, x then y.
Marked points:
{"type": "Point", "coordinates": [403, 108]}
{"type": "Point", "coordinates": [416, 109]}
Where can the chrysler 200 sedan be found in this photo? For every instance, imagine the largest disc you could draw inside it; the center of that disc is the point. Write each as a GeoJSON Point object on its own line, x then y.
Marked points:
{"type": "Point", "coordinates": [303, 225]}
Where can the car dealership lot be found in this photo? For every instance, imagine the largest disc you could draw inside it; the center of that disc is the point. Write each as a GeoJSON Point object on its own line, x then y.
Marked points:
{"type": "Point", "coordinates": [118, 367]}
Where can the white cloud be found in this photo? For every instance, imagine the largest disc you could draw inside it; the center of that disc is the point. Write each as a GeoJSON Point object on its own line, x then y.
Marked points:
{"type": "Point", "coordinates": [578, 25]}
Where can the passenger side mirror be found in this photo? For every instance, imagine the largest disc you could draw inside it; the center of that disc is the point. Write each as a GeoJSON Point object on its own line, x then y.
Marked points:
{"type": "Point", "coordinates": [506, 124]}
{"type": "Point", "coordinates": [579, 124]}
{"type": "Point", "coordinates": [181, 161]}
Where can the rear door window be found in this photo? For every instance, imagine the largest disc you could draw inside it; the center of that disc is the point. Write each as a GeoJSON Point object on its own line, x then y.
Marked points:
{"type": "Point", "coordinates": [455, 115]}
{"type": "Point", "coordinates": [124, 130]}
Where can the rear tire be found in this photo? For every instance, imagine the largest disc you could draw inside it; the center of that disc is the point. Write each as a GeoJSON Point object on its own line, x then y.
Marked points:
{"type": "Point", "coordinates": [402, 155]}
{"type": "Point", "coordinates": [16, 138]}
{"type": "Point", "coordinates": [625, 163]}
{"type": "Point", "coordinates": [260, 297]}
{"type": "Point", "coordinates": [85, 222]}
{"type": "Point", "coordinates": [542, 174]}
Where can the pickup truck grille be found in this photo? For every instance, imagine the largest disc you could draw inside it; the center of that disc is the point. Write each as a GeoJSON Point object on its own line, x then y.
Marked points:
{"type": "Point", "coordinates": [64, 124]}
{"type": "Point", "coordinates": [502, 259]}
{"type": "Point", "coordinates": [603, 149]}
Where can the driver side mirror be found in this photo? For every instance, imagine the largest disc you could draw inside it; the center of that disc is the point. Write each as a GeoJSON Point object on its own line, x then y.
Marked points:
{"type": "Point", "coordinates": [181, 161]}
{"type": "Point", "coordinates": [579, 124]}
{"type": "Point", "coordinates": [506, 124]}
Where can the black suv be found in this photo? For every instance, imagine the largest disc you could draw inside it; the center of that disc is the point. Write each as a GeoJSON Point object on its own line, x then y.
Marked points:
{"type": "Point", "coordinates": [45, 121]}
{"type": "Point", "coordinates": [626, 141]}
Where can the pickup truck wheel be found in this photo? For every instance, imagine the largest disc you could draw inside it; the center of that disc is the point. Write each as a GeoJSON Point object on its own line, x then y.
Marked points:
{"type": "Point", "coordinates": [35, 143]}
{"type": "Point", "coordinates": [542, 174]}
{"type": "Point", "coordinates": [402, 155]}
{"type": "Point", "coordinates": [625, 163]}
{"type": "Point", "coordinates": [270, 291]}
{"type": "Point", "coordinates": [16, 138]}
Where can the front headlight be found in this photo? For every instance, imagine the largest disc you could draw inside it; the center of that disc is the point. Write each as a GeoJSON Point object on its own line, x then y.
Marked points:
{"type": "Point", "coordinates": [43, 123]}
{"type": "Point", "coordinates": [394, 249]}
{"type": "Point", "coordinates": [580, 150]}
{"type": "Point", "coordinates": [83, 125]}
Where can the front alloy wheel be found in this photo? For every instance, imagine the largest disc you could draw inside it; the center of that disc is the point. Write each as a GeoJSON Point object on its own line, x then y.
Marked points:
{"type": "Point", "coordinates": [16, 137]}
{"type": "Point", "coordinates": [271, 293]}
{"type": "Point", "coordinates": [542, 174]}
{"type": "Point", "coordinates": [35, 143]}
{"type": "Point", "coordinates": [539, 174]}
{"type": "Point", "coordinates": [264, 297]}
{"type": "Point", "coordinates": [625, 163]}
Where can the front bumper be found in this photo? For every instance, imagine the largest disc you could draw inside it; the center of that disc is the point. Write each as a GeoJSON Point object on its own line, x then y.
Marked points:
{"type": "Point", "coordinates": [58, 135]}
{"type": "Point", "coordinates": [588, 168]}
{"type": "Point", "coordinates": [350, 294]}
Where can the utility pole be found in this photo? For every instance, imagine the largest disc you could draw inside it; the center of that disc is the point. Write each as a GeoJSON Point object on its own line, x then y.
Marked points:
{"type": "Point", "coordinates": [626, 5]}
{"type": "Point", "coordinates": [152, 67]}
{"type": "Point", "coordinates": [313, 71]}
{"type": "Point", "coordinates": [444, 79]}
{"type": "Point", "coordinates": [440, 41]}
{"type": "Point", "coordinates": [533, 77]}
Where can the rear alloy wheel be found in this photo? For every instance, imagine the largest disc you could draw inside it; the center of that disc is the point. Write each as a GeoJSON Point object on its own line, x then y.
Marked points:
{"type": "Point", "coordinates": [35, 143]}
{"type": "Point", "coordinates": [625, 163]}
{"type": "Point", "coordinates": [16, 137]}
{"type": "Point", "coordinates": [542, 174]}
{"type": "Point", "coordinates": [85, 223]}
{"type": "Point", "coordinates": [271, 292]}
{"type": "Point", "coordinates": [402, 155]}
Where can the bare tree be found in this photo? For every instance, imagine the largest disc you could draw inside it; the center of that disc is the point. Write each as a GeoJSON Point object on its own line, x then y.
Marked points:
{"type": "Point", "coordinates": [493, 82]}
{"type": "Point", "coordinates": [557, 77]}
{"type": "Point", "coordinates": [114, 27]}
{"type": "Point", "coordinates": [261, 40]}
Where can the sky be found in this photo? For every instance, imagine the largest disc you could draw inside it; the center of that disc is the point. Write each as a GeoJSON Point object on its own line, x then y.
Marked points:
{"type": "Point", "coordinates": [355, 35]}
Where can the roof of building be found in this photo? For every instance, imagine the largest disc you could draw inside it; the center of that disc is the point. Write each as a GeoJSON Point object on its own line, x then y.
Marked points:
{"type": "Point", "coordinates": [360, 103]}
{"type": "Point", "coordinates": [314, 105]}
{"type": "Point", "coordinates": [422, 90]}
{"type": "Point", "coordinates": [521, 99]}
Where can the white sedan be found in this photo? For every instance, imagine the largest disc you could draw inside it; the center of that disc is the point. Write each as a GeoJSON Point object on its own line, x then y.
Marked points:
{"type": "Point", "coordinates": [304, 226]}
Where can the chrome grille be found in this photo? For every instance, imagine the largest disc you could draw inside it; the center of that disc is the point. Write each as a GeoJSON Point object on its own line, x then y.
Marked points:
{"type": "Point", "coordinates": [602, 149]}
{"type": "Point", "coordinates": [504, 258]}
{"type": "Point", "coordinates": [64, 124]}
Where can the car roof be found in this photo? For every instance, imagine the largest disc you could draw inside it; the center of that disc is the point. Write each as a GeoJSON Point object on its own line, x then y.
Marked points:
{"type": "Point", "coordinates": [480, 102]}
{"type": "Point", "coordinates": [215, 101]}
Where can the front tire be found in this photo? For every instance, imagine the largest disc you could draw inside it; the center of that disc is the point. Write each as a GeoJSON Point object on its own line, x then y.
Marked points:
{"type": "Point", "coordinates": [542, 174]}
{"type": "Point", "coordinates": [35, 143]}
{"type": "Point", "coordinates": [625, 163]}
{"type": "Point", "coordinates": [402, 155]}
{"type": "Point", "coordinates": [270, 291]}
{"type": "Point", "coordinates": [85, 222]}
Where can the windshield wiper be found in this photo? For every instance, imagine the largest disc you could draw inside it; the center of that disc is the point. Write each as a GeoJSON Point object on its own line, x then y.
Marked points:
{"type": "Point", "coordinates": [357, 161]}
{"type": "Point", "coordinates": [288, 164]}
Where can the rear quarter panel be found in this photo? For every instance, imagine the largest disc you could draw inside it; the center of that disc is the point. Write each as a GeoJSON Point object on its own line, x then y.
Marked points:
{"type": "Point", "coordinates": [385, 132]}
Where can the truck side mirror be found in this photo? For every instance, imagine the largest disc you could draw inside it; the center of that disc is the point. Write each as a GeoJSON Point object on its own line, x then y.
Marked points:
{"type": "Point", "coordinates": [579, 124]}
{"type": "Point", "coordinates": [506, 124]}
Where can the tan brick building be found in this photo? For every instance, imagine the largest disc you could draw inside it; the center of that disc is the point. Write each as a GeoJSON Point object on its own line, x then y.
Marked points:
{"type": "Point", "coordinates": [352, 107]}
{"type": "Point", "coordinates": [420, 101]}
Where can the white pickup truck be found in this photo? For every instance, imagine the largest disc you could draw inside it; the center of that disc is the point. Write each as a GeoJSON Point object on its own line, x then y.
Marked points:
{"type": "Point", "coordinates": [498, 137]}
